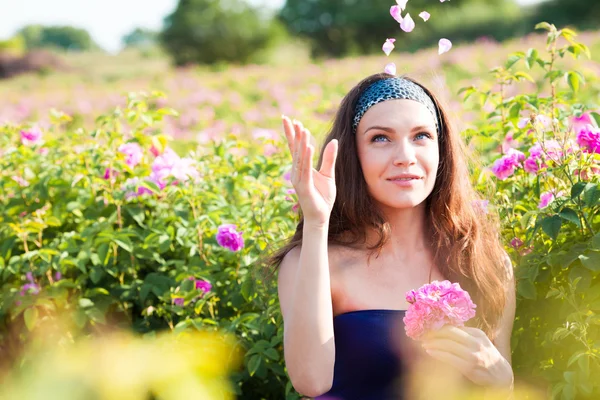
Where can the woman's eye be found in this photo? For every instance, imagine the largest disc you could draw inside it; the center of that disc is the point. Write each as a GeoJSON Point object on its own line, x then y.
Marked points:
{"type": "Point", "coordinates": [374, 139]}
{"type": "Point", "coordinates": [425, 134]}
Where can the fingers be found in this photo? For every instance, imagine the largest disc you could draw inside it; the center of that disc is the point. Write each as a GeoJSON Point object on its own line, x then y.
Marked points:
{"type": "Point", "coordinates": [453, 333]}
{"type": "Point", "coordinates": [290, 135]}
{"type": "Point", "coordinates": [449, 358]}
{"type": "Point", "coordinates": [450, 346]}
{"type": "Point", "coordinates": [298, 154]}
{"type": "Point", "coordinates": [307, 165]}
{"type": "Point", "coordinates": [329, 159]}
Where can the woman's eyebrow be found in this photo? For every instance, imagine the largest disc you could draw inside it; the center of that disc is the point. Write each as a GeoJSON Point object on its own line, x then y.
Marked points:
{"type": "Point", "coordinates": [391, 130]}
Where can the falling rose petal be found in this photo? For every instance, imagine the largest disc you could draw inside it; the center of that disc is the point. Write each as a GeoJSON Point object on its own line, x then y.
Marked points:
{"type": "Point", "coordinates": [388, 46]}
{"type": "Point", "coordinates": [445, 46]}
{"type": "Point", "coordinates": [425, 15]}
{"type": "Point", "coordinates": [407, 24]}
{"type": "Point", "coordinates": [390, 69]}
{"type": "Point", "coordinates": [396, 11]}
{"type": "Point", "coordinates": [402, 3]}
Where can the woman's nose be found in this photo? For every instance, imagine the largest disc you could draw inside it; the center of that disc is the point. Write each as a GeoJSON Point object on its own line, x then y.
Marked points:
{"type": "Point", "coordinates": [404, 154]}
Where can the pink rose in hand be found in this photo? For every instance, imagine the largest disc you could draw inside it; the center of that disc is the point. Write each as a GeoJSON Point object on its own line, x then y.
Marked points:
{"type": "Point", "coordinates": [434, 305]}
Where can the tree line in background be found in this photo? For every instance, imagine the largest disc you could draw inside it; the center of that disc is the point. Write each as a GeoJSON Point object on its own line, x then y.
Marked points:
{"type": "Point", "coordinates": [213, 31]}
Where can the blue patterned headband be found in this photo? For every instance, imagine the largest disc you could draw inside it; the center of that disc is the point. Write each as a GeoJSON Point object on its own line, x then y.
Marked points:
{"type": "Point", "coordinates": [393, 88]}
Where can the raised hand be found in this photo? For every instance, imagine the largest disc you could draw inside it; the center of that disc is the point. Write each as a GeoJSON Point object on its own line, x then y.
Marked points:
{"type": "Point", "coordinates": [315, 189]}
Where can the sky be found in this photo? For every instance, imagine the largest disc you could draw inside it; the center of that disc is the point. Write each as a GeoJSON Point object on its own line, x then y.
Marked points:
{"type": "Point", "coordinates": [107, 21]}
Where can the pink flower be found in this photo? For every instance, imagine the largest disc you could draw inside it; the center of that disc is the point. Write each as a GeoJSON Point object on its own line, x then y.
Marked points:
{"type": "Point", "coordinates": [551, 150]}
{"type": "Point", "coordinates": [581, 122]}
{"type": "Point", "coordinates": [508, 143]}
{"type": "Point", "coordinates": [21, 181]}
{"type": "Point", "coordinates": [588, 139]}
{"type": "Point", "coordinates": [170, 164]}
{"type": "Point", "coordinates": [290, 191]}
{"type": "Point", "coordinates": [202, 285]}
{"type": "Point", "coordinates": [179, 301]}
{"type": "Point", "coordinates": [516, 243]}
{"type": "Point", "coordinates": [109, 173]}
{"type": "Point", "coordinates": [134, 153]}
{"type": "Point", "coordinates": [531, 165]}
{"type": "Point", "coordinates": [228, 237]}
{"type": "Point", "coordinates": [388, 46]}
{"type": "Point", "coordinates": [31, 137]}
{"type": "Point", "coordinates": [434, 305]}
{"type": "Point", "coordinates": [545, 199]}
{"type": "Point", "coordinates": [505, 166]}
{"type": "Point", "coordinates": [444, 46]}
{"type": "Point", "coordinates": [425, 16]}
{"type": "Point", "coordinates": [133, 188]}
{"type": "Point", "coordinates": [523, 123]}
{"type": "Point", "coordinates": [407, 24]}
{"type": "Point", "coordinates": [544, 121]}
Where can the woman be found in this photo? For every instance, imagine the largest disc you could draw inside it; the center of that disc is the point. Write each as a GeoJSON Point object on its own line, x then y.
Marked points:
{"type": "Point", "coordinates": [399, 191]}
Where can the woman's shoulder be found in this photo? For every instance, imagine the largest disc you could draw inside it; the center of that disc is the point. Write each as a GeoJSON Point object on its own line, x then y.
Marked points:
{"type": "Point", "coordinates": [337, 254]}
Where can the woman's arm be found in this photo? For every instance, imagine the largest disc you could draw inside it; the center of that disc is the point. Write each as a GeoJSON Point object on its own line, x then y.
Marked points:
{"type": "Point", "coordinates": [306, 306]}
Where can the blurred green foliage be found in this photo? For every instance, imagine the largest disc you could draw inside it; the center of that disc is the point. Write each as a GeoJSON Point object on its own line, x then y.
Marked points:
{"type": "Point", "coordinates": [213, 31]}
{"type": "Point", "coordinates": [343, 27]}
{"type": "Point", "coordinates": [62, 37]}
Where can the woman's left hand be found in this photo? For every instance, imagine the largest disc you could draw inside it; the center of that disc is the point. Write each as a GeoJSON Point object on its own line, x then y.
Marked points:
{"type": "Point", "coordinates": [471, 352]}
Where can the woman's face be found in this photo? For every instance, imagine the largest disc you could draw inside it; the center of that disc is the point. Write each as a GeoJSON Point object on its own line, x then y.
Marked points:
{"type": "Point", "coordinates": [398, 137]}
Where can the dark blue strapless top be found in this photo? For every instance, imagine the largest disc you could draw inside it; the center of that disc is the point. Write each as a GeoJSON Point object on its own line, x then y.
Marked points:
{"type": "Point", "coordinates": [368, 363]}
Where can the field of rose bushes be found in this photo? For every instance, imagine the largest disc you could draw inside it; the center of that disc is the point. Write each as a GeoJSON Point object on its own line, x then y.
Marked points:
{"type": "Point", "coordinates": [145, 200]}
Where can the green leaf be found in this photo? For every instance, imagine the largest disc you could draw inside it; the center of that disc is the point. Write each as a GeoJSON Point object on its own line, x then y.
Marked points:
{"type": "Point", "coordinates": [138, 215]}
{"type": "Point", "coordinates": [96, 274]}
{"type": "Point", "coordinates": [573, 80]}
{"type": "Point", "coordinates": [103, 253]}
{"type": "Point", "coordinates": [596, 241]}
{"type": "Point", "coordinates": [512, 60]}
{"type": "Point", "coordinates": [523, 75]}
{"type": "Point", "coordinates": [246, 289]}
{"type": "Point", "coordinates": [591, 260]}
{"type": "Point", "coordinates": [153, 187]}
{"type": "Point", "coordinates": [596, 117]}
{"type": "Point", "coordinates": [527, 289]}
{"type": "Point", "coordinates": [577, 189]}
{"type": "Point", "coordinates": [570, 215]}
{"type": "Point", "coordinates": [551, 225]}
{"type": "Point", "coordinates": [591, 195]}
{"type": "Point", "coordinates": [272, 354]}
{"type": "Point", "coordinates": [254, 364]}
{"type": "Point", "coordinates": [124, 242]}
{"type": "Point", "coordinates": [532, 56]}
{"type": "Point", "coordinates": [85, 303]}
{"type": "Point", "coordinates": [545, 26]}
{"type": "Point", "coordinates": [574, 357]}
{"type": "Point", "coordinates": [31, 316]}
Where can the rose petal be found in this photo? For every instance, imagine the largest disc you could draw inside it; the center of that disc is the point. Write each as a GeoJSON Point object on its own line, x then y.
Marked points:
{"type": "Point", "coordinates": [396, 11]}
{"type": "Point", "coordinates": [402, 3]}
{"type": "Point", "coordinates": [425, 15]}
{"type": "Point", "coordinates": [444, 46]}
{"type": "Point", "coordinates": [407, 24]}
{"type": "Point", "coordinates": [388, 46]}
{"type": "Point", "coordinates": [390, 69]}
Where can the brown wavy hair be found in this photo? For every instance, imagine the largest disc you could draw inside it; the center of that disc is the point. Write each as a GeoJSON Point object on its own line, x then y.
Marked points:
{"type": "Point", "coordinates": [464, 240]}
